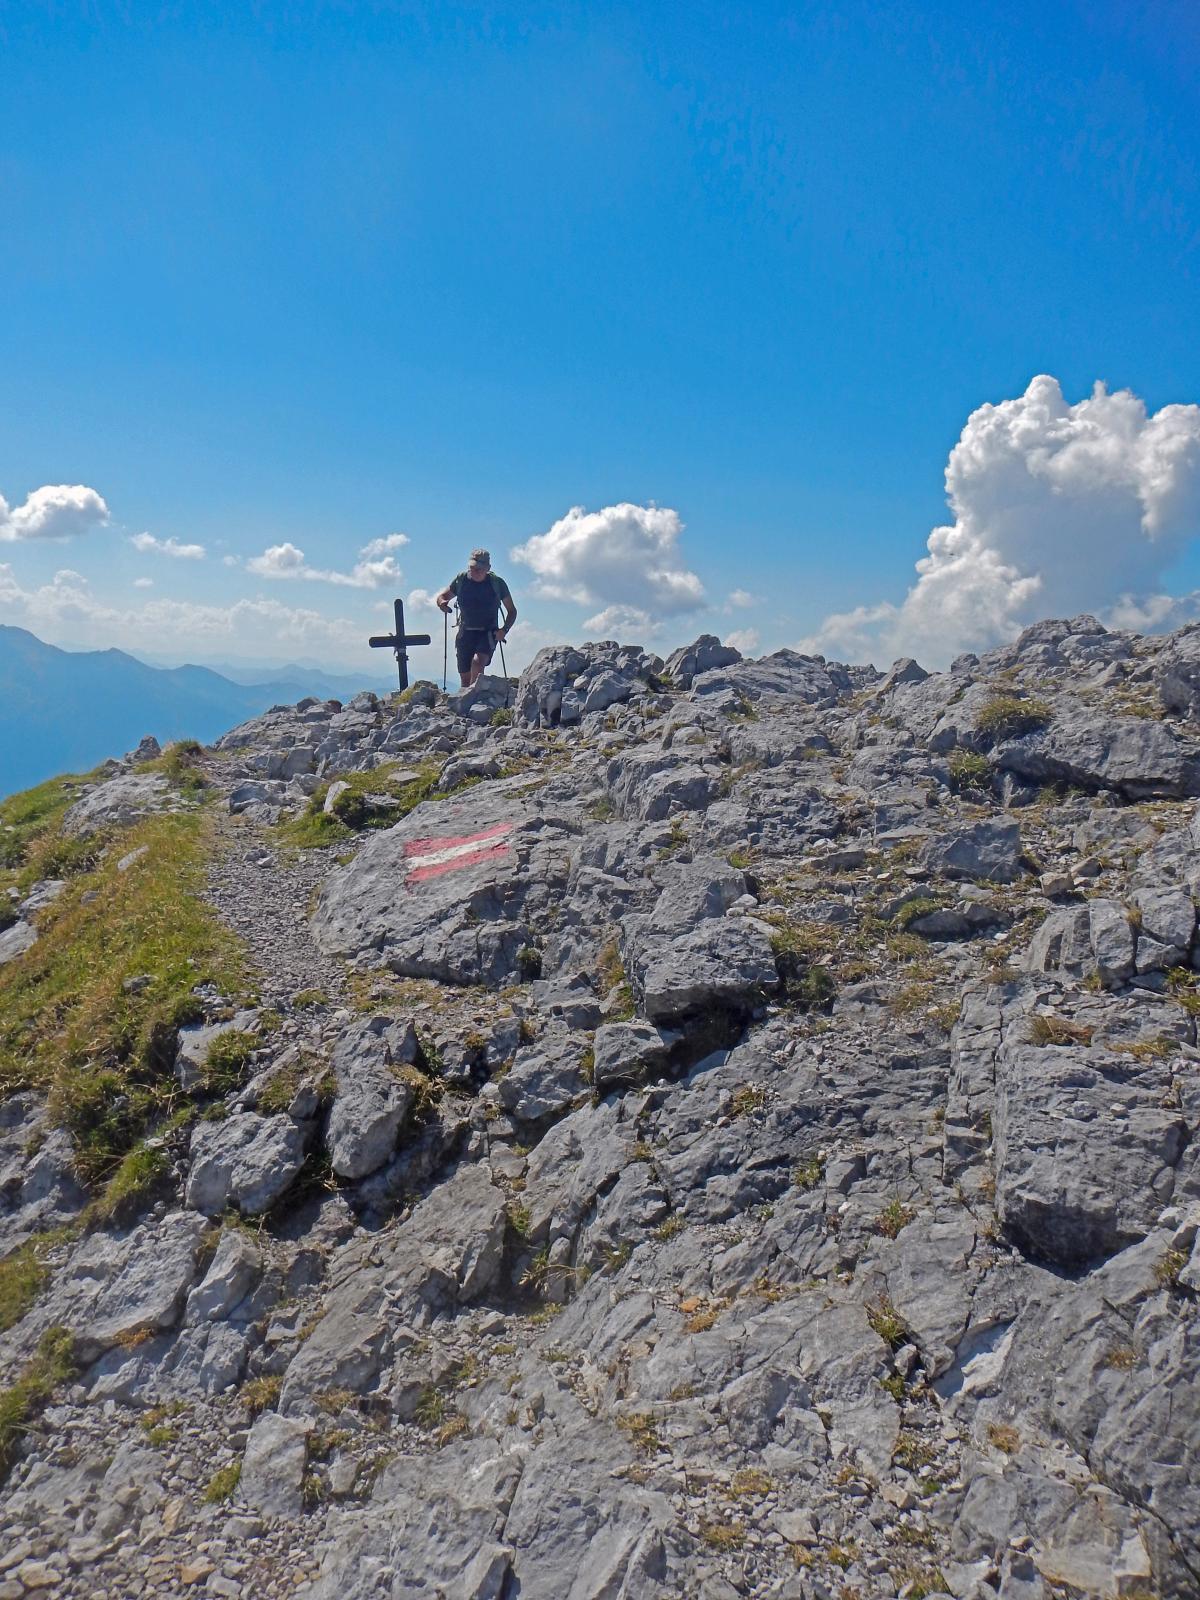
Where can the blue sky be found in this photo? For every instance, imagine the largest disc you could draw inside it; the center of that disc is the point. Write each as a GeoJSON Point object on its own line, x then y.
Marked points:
{"type": "Point", "coordinates": [312, 275]}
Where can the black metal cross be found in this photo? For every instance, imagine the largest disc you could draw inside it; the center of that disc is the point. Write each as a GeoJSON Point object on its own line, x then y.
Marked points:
{"type": "Point", "coordinates": [397, 642]}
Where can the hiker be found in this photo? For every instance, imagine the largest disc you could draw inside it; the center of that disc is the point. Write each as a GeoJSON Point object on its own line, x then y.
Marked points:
{"type": "Point", "coordinates": [480, 592]}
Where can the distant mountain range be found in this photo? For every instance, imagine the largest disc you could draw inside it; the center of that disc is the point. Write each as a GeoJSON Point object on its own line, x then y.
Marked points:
{"type": "Point", "coordinates": [66, 711]}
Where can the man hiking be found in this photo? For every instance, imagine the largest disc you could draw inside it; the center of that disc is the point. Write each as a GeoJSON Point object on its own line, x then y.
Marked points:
{"type": "Point", "coordinates": [480, 593]}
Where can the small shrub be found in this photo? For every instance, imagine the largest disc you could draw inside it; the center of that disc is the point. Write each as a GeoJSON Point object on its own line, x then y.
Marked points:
{"type": "Point", "coordinates": [180, 763]}
{"type": "Point", "coordinates": [1046, 1030]}
{"type": "Point", "coordinates": [750, 1481]}
{"type": "Point", "coordinates": [894, 1216]}
{"type": "Point", "coordinates": [502, 717]}
{"type": "Point", "coordinates": [921, 906]}
{"type": "Point", "coordinates": [131, 1186]}
{"type": "Point", "coordinates": [227, 1059]}
{"type": "Point", "coordinates": [809, 1173]}
{"type": "Point", "coordinates": [642, 1428]}
{"type": "Point", "coordinates": [23, 1275]}
{"type": "Point", "coordinates": [1168, 1267]}
{"type": "Point", "coordinates": [912, 1452]}
{"type": "Point", "coordinates": [722, 1535]}
{"type": "Point", "coordinates": [529, 962]}
{"type": "Point", "coordinates": [309, 999]}
{"type": "Point", "coordinates": [671, 1228]}
{"type": "Point", "coordinates": [1121, 1357]}
{"type": "Point", "coordinates": [746, 1100]}
{"type": "Point", "coordinates": [431, 1408]}
{"type": "Point", "coordinates": [537, 1273]}
{"type": "Point", "coordinates": [893, 1385]}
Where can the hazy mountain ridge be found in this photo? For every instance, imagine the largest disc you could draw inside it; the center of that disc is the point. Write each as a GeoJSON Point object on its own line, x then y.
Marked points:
{"type": "Point", "coordinates": [66, 711]}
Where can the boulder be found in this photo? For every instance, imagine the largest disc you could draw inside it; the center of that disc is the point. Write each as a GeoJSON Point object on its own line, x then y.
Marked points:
{"type": "Point", "coordinates": [119, 802]}
{"type": "Point", "coordinates": [274, 1464]}
{"type": "Point", "coordinates": [233, 1272]}
{"type": "Point", "coordinates": [703, 655]}
{"type": "Point", "coordinates": [443, 893]}
{"type": "Point", "coordinates": [1177, 672]}
{"type": "Point", "coordinates": [546, 1077]}
{"type": "Point", "coordinates": [630, 1052]}
{"type": "Point", "coordinates": [1137, 758]}
{"type": "Point", "coordinates": [1094, 939]}
{"type": "Point", "coordinates": [372, 1100]}
{"type": "Point", "coordinates": [119, 1289]}
{"type": "Point", "coordinates": [987, 852]}
{"type": "Point", "coordinates": [1085, 1149]}
{"type": "Point", "coordinates": [246, 1161]}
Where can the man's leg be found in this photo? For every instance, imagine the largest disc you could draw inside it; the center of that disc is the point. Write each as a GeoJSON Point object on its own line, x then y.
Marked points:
{"type": "Point", "coordinates": [482, 659]}
{"type": "Point", "coordinates": [464, 650]}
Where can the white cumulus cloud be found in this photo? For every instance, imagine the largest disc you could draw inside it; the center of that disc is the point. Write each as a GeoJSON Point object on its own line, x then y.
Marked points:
{"type": "Point", "coordinates": [143, 583]}
{"type": "Point", "coordinates": [743, 639]}
{"type": "Point", "coordinates": [621, 556]}
{"type": "Point", "coordinates": [375, 565]}
{"type": "Point", "coordinates": [149, 545]}
{"type": "Point", "coordinates": [740, 600]}
{"type": "Point", "coordinates": [1057, 509]}
{"type": "Point", "coordinates": [621, 622]}
{"type": "Point", "coordinates": [58, 511]}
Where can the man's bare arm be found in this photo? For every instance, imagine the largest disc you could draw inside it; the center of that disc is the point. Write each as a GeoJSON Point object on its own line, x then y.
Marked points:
{"type": "Point", "coordinates": [510, 616]}
{"type": "Point", "coordinates": [442, 601]}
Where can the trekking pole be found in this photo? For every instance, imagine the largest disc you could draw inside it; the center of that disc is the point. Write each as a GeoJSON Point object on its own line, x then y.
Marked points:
{"type": "Point", "coordinates": [503, 663]}
{"type": "Point", "coordinates": [445, 650]}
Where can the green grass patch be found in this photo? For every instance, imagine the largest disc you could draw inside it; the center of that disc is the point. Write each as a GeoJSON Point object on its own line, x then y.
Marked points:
{"type": "Point", "coordinates": [351, 812]}
{"type": "Point", "coordinates": [141, 1171]}
{"type": "Point", "coordinates": [180, 765]}
{"type": "Point", "coordinates": [969, 772]}
{"type": "Point", "coordinates": [912, 909]}
{"type": "Point", "coordinates": [20, 1404]}
{"type": "Point", "coordinates": [32, 815]}
{"type": "Point", "coordinates": [223, 1484]}
{"type": "Point", "coordinates": [103, 1052]}
{"type": "Point", "coordinates": [227, 1060]}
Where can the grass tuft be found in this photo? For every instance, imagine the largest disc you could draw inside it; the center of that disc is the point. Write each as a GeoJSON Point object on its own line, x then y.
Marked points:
{"type": "Point", "coordinates": [222, 1485]}
{"type": "Point", "coordinates": [1006, 716]}
{"type": "Point", "coordinates": [21, 1402]}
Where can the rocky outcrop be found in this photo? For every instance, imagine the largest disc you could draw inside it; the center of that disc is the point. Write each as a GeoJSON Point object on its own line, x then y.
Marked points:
{"type": "Point", "coordinates": [714, 1127]}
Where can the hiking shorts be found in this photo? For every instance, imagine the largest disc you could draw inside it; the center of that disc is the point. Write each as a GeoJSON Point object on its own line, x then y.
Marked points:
{"type": "Point", "coordinates": [472, 642]}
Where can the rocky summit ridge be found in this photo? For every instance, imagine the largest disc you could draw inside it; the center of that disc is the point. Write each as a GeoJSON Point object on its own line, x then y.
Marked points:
{"type": "Point", "coordinates": [697, 1128]}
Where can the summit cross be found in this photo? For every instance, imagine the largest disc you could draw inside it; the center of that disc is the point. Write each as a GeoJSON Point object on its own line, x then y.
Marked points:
{"type": "Point", "coordinates": [398, 641]}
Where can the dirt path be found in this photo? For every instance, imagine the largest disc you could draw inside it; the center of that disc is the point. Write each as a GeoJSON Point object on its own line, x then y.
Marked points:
{"type": "Point", "coordinates": [265, 895]}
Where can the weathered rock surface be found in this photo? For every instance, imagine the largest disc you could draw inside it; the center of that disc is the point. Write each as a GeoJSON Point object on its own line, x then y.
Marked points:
{"type": "Point", "coordinates": [737, 1135]}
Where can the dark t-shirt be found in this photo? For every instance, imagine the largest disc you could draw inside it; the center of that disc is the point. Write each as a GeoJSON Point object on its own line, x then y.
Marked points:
{"type": "Point", "coordinates": [479, 603]}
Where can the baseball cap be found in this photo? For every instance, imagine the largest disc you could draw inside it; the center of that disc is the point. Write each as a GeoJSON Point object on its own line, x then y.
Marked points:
{"type": "Point", "coordinates": [481, 558]}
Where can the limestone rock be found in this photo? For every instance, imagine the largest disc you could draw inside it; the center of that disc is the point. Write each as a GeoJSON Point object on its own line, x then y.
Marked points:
{"type": "Point", "coordinates": [246, 1161]}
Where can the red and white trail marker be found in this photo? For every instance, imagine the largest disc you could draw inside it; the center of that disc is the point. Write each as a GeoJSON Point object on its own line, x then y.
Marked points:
{"type": "Point", "coordinates": [430, 858]}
